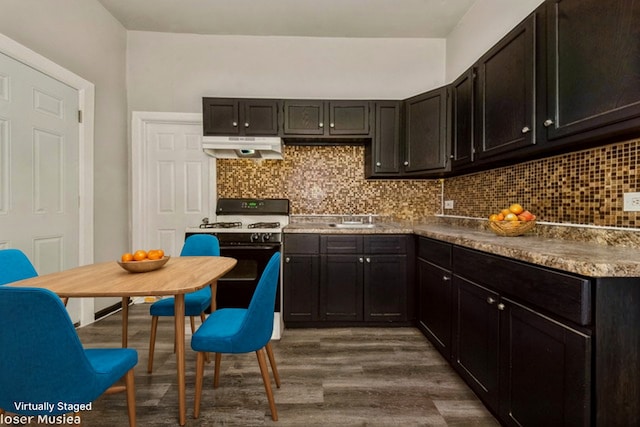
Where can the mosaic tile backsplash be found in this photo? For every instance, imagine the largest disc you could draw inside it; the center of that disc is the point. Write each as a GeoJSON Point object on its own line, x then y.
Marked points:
{"type": "Point", "coordinates": [327, 180]}
{"type": "Point", "coordinates": [584, 187]}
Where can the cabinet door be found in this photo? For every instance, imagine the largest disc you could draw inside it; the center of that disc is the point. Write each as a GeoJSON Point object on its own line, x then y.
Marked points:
{"type": "Point", "coordinates": [592, 61]}
{"type": "Point", "coordinates": [382, 157]}
{"type": "Point", "coordinates": [385, 290]}
{"type": "Point", "coordinates": [348, 118]}
{"type": "Point", "coordinates": [220, 116]}
{"type": "Point", "coordinates": [434, 305]}
{"type": "Point", "coordinates": [545, 370]}
{"type": "Point", "coordinates": [506, 90]}
{"type": "Point", "coordinates": [301, 287]}
{"type": "Point", "coordinates": [462, 115]}
{"type": "Point", "coordinates": [303, 117]}
{"type": "Point", "coordinates": [260, 117]}
{"type": "Point", "coordinates": [341, 285]}
{"type": "Point", "coordinates": [476, 332]}
{"type": "Point", "coordinates": [426, 146]}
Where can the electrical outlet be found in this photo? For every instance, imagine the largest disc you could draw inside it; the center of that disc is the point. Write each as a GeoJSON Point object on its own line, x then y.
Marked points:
{"type": "Point", "coordinates": [448, 204]}
{"type": "Point", "coordinates": [631, 202]}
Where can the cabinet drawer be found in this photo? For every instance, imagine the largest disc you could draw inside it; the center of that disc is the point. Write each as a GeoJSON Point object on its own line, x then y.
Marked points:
{"type": "Point", "coordinates": [345, 244]}
{"type": "Point", "coordinates": [395, 245]}
{"type": "Point", "coordinates": [558, 293]}
{"type": "Point", "coordinates": [301, 243]}
{"type": "Point", "coordinates": [438, 253]}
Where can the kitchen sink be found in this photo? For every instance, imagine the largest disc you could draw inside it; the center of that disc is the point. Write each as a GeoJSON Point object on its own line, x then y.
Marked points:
{"type": "Point", "coordinates": [352, 225]}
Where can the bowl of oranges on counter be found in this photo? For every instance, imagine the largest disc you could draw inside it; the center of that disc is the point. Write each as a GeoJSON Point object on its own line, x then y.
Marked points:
{"type": "Point", "coordinates": [142, 261]}
{"type": "Point", "coordinates": [512, 221]}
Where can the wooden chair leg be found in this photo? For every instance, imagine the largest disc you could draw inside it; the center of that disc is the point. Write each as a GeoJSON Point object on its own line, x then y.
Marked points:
{"type": "Point", "coordinates": [262, 361]}
{"type": "Point", "coordinates": [272, 361]}
{"type": "Point", "coordinates": [216, 371]}
{"type": "Point", "coordinates": [131, 397]}
{"type": "Point", "coordinates": [192, 320]}
{"type": "Point", "coordinates": [152, 342]}
{"type": "Point", "coordinates": [199, 375]}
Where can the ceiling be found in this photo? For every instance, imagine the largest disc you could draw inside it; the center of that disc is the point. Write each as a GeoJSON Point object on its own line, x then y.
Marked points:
{"type": "Point", "coordinates": [301, 18]}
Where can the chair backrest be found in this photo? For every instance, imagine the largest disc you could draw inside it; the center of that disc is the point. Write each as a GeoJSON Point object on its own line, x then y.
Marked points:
{"type": "Point", "coordinates": [42, 359]}
{"type": "Point", "coordinates": [257, 327]}
{"type": "Point", "coordinates": [14, 266]}
{"type": "Point", "coordinates": [201, 245]}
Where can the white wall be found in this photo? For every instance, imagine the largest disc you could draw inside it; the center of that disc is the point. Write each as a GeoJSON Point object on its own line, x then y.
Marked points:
{"type": "Point", "coordinates": [486, 22]}
{"type": "Point", "coordinates": [172, 72]}
{"type": "Point", "coordinates": [81, 36]}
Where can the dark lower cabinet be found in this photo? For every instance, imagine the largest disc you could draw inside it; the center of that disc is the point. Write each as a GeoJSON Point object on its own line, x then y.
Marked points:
{"type": "Point", "coordinates": [476, 339]}
{"type": "Point", "coordinates": [545, 370]}
{"type": "Point", "coordinates": [332, 280]}
{"type": "Point", "coordinates": [435, 292]}
{"type": "Point", "coordinates": [341, 288]}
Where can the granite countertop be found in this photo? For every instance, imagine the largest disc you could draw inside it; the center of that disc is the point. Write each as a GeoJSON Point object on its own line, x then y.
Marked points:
{"type": "Point", "coordinates": [558, 250]}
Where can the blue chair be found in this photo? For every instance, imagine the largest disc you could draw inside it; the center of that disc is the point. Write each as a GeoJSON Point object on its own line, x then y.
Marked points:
{"type": "Point", "coordinates": [42, 359]}
{"type": "Point", "coordinates": [195, 303]}
{"type": "Point", "coordinates": [15, 266]}
{"type": "Point", "coordinates": [241, 330]}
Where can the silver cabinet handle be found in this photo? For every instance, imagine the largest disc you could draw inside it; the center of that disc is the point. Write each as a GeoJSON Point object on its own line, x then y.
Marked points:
{"type": "Point", "coordinates": [446, 278]}
{"type": "Point", "coordinates": [406, 163]}
{"type": "Point", "coordinates": [287, 259]}
{"type": "Point", "coordinates": [332, 125]}
{"type": "Point", "coordinates": [361, 259]}
{"type": "Point", "coordinates": [321, 124]}
{"type": "Point", "coordinates": [500, 306]}
{"type": "Point", "coordinates": [490, 300]}
{"type": "Point", "coordinates": [368, 259]}
{"type": "Point", "coordinates": [547, 123]}
{"type": "Point", "coordinates": [235, 124]}
{"type": "Point", "coordinates": [246, 124]}
{"type": "Point", "coordinates": [378, 164]}
{"type": "Point", "coordinates": [526, 129]}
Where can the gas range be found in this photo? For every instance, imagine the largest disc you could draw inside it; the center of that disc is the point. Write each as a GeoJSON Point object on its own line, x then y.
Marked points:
{"type": "Point", "coordinates": [247, 221]}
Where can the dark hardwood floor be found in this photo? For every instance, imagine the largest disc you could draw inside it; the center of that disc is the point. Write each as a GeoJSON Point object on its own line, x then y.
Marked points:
{"type": "Point", "coordinates": [330, 377]}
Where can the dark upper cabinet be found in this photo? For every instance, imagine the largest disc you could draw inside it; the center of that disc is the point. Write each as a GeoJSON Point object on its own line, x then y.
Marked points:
{"type": "Point", "coordinates": [231, 117]}
{"type": "Point", "coordinates": [326, 118]}
{"type": "Point", "coordinates": [383, 155]}
{"type": "Point", "coordinates": [593, 67]}
{"type": "Point", "coordinates": [426, 146]}
{"type": "Point", "coordinates": [461, 98]}
{"type": "Point", "coordinates": [504, 119]}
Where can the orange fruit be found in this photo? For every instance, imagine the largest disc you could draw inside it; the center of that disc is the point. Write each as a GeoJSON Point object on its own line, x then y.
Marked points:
{"type": "Point", "coordinates": [154, 254]}
{"type": "Point", "coordinates": [516, 208]}
{"type": "Point", "coordinates": [139, 255]}
{"type": "Point", "coordinates": [493, 217]}
{"type": "Point", "coordinates": [511, 217]}
{"type": "Point", "coordinates": [505, 212]}
{"type": "Point", "coordinates": [161, 252]}
{"type": "Point", "coordinates": [126, 257]}
{"type": "Point", "coordinates": [500, 216]}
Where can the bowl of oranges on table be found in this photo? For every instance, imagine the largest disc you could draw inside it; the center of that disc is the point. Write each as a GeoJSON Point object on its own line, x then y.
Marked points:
{"type": "Point", "coordinates": [142, 261]}
{"type": "Point", "coordinates": [512, 221]}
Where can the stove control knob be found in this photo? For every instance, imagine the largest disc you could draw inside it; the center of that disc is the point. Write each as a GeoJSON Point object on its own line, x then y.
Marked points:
{"type": "Point", "coordinates": [266, 237]}
{"type": "Point", "coordinates": [255, 237]}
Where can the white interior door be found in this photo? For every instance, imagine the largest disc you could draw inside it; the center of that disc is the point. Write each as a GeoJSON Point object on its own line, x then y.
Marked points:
{"type": "Point", "coordinates": [39, 168]}
{"type": "Point", "coordinates": [174, 181]}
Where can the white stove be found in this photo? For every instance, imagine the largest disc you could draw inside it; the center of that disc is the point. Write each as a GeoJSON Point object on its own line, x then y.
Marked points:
{"type": "Point", "coordinates": [249, 230]}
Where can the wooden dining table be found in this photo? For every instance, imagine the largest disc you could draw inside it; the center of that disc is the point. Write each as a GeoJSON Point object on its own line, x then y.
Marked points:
{"type": "Point", "coordinates": [180, 275]}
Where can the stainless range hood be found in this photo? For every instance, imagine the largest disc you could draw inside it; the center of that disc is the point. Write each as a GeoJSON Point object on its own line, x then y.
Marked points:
{"type": "Point", "coordinates": [242, 147]}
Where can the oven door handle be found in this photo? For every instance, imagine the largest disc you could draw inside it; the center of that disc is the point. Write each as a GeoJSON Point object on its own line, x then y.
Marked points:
{"type": "Point", "coordinates": [250, 247]}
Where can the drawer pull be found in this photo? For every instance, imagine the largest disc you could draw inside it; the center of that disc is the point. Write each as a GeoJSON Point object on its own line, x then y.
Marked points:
{"type": "Point", "coordinates": [490, 300]}
{"type": "Point", "coordinates": [500, 306]}
{"type": "Point", "coordinates": [446, 278]}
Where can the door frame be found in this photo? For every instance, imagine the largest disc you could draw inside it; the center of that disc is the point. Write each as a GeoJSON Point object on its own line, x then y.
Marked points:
{"type": "Point", "coordinates": [86, 104]}
{"type": "Point", "coordinates": [140, 122]}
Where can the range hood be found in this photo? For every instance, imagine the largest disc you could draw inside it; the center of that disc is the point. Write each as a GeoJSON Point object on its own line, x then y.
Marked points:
{"type": "Point", "coordinates": [242, 147]}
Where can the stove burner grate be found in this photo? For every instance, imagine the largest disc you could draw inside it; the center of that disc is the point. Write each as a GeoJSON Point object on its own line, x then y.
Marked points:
{"type": "Point", "coordinates": [264, 225]}
{"type": "Point", "coordinates": [221, 225]}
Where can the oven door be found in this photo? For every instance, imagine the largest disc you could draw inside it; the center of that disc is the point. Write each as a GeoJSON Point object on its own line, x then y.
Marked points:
{"type": "Point", "coordinates": [236, 288]}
